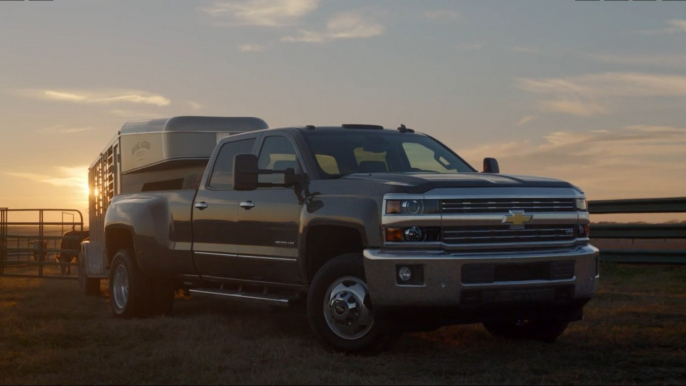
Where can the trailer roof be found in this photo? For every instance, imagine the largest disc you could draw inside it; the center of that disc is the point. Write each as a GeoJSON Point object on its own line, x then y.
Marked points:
{"type": "Point", "coordinates": [193, 124]}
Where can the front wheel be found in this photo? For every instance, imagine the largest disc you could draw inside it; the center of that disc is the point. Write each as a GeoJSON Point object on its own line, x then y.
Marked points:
{"type": "Point", "coordinates": [340, 309]}
{"type": "Point", "coordinates": [544, 330]}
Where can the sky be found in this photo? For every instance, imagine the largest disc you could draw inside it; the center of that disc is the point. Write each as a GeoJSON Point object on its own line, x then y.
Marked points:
{"type": "Point", "coordinates": [589, 92]}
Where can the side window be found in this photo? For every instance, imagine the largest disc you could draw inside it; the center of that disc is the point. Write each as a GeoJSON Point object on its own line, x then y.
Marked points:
{"type": "Point", "coordinates": [222, 173]}
{"type": "Point", "coordinates": [277, 154]}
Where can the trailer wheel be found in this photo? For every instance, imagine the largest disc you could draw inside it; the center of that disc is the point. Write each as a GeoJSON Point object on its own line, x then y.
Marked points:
{"type": "Point", "coordinates": [130, 291]}
{"type": "Point", "coordinates": [544, 330]}
{"type": "Point", "coordinates": [340, 311]}
{"type": "Point", "coordinates": [89, 286]}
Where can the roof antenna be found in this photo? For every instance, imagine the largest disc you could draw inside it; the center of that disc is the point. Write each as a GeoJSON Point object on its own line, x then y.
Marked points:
{"type": "Point", "coordinates": [404, 129]}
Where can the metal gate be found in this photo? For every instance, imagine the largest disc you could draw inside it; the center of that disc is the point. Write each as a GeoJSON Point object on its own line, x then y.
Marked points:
{"type": "Point", "coordinates": [42, 243]}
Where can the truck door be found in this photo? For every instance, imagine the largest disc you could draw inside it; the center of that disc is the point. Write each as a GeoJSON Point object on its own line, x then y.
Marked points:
{"type": "Point", "coordinates": [215, 210]}
{"type": "Point", "coordinates": [269, 218]}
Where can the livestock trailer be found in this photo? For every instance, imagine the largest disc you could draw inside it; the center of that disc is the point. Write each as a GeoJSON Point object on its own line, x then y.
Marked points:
{"type": "Point", "coordinates": [150, 155]}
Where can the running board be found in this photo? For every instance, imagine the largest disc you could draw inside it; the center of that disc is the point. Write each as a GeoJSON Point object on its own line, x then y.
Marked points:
{"type": "Point", "coordinates": [274, 300]}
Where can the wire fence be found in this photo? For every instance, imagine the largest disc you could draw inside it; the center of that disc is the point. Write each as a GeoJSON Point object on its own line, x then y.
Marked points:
{"type": "Point", "coordinates": [40, 242]}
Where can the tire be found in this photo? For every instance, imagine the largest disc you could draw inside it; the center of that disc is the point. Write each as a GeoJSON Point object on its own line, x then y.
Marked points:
{"type": "Point", "coordinates": [345, 320]}
{"type": "Point", "coordinates": [130, 291]}
{"type": "Point", "coordinates": [89, 286]}
{"type": "Point", "coordinates": [543, 330]}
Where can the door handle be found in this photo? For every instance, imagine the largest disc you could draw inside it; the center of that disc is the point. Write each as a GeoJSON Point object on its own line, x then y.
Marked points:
{"type": "Point", "coordinates": [247, 204]}
{"type": "Point", "coordinates": [201, 205]}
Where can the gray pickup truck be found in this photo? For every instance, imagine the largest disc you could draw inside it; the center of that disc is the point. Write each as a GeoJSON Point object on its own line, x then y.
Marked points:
{"type": "Point", "coordinates": [374, 231]}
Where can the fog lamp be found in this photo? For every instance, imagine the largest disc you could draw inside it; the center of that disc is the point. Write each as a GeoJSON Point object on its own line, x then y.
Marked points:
{"type": "Point", "coordinates": [405, 274]}
{"type": "Point", "coordinates": [414, 234]}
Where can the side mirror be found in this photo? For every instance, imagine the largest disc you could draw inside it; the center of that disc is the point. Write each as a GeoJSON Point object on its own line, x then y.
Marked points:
{"type": "Point", "coordinates": [491, 165]}
{"type": "Point", "coordinates": [245, 172]}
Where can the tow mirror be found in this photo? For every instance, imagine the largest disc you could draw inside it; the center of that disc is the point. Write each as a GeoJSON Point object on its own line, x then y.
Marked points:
{"type": "Point", "coordinates": [491, 165]}
{"type": "Point", "coordinates": [245, 172]}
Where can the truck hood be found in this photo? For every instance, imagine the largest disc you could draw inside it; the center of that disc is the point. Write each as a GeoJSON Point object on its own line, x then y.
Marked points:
{"type": "Point", "coordinates": [421, 183]}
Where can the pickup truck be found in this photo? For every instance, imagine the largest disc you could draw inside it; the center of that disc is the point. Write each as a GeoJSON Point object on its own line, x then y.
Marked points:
{"type": "Point", "coordinates": [374, 231]}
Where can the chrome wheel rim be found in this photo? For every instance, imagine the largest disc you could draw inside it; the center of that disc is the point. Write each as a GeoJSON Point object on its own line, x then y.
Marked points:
{"type": "Point", "coordinates": [120, 287]}
{"type": "Point", "coordinates": [347, 308]}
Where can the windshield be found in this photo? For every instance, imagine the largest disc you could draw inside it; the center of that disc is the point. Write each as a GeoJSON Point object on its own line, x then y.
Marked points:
{"type": "Point", "coordinates": [340, 153]}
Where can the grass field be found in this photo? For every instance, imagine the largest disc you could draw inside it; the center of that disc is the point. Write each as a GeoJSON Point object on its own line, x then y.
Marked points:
{"type": "Point", "coordinates": [634, 331]}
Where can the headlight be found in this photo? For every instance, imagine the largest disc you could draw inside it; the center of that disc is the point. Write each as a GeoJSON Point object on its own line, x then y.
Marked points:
{"type": "Point", "coordinates": [412, 206]}
{"type": "Point", "coordinates": [581, 204]}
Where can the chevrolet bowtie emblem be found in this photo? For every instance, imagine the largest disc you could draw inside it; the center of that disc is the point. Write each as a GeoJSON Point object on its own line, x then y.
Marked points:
{"type": "Point", "coordinates": [517, 218]}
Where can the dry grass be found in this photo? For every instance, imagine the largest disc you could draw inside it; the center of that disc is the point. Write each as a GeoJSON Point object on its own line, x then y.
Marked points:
{"type": "Point", "coordinates": [634, 332]}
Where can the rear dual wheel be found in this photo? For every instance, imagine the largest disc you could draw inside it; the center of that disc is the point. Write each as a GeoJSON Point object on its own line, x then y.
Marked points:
{"type": "Point", "coordinates": [134, 295]}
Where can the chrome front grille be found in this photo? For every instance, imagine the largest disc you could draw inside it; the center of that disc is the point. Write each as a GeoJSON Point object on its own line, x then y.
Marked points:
{"type": "Point", "coordinates": [465, 235]}
{"type": "Point", "coordinates": [504, 205]}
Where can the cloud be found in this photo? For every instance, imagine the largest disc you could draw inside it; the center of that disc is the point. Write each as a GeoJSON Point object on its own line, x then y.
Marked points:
{"type": "Point", "coordinates": [60, 129]}
{"type": "Point", "coordinates": [251, 48]}
{"type": "Point", "coordinates": [442, 15]}
{"type": "Point", "coordinates": [68, 177]}
{"type": "Point", "coordinates": [130, 114]}
{"type": "Point", "coordinates": [526, 50]}
{"type": "Point", "coordinates": [195, 106]}
{"type": "Point", "coordinates": [622, 84]}
{"type": "Point", "coordinates": [578, 108]}
{"type": "Point", "coordinates": [633, 161]}
{"type": "Point", "coordinates": [640, 60]}
{"type": "Point", "coordinates": [678, 25]}
{"type": "Point", "coordinates": [63, 96]}
{"type": "Point", "coordinates": [306, 36]}
{"type": "Point", "coordinates": [589, 95]}
{"type": "Point", "coordinates": [265, 13]}
{"type": "Point", "coordinates": [525, 120]}
{"type": "Point", "coordinates": [99, 97]}
{"type": "Point", "coordinates": [342, 26]}
{"type": "Point", "coordinates": [675, 26]}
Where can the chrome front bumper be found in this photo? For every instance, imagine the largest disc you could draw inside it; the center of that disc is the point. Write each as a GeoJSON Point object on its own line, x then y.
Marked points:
{"type": "Point", "coordinates": [442, 282]}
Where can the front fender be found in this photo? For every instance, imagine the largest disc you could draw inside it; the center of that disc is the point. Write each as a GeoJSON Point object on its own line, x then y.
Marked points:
{"type": "Point", "coordinates": [357, 212]}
